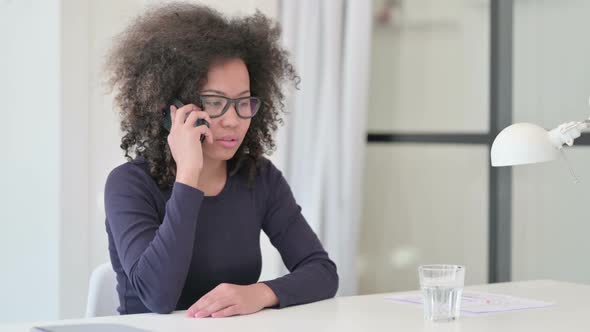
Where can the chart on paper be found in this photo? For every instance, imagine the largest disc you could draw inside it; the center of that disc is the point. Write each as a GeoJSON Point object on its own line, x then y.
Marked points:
{"type": "Point", "coordinates": [478, 303]}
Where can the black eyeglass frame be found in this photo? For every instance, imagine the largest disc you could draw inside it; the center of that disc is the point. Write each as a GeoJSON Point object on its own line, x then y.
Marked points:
{"type": "Point", "coordinates": [230, 101]}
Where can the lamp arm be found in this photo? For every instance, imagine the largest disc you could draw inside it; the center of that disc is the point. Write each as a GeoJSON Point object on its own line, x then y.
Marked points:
{"type": "Point", "coordinates": [567, 132]}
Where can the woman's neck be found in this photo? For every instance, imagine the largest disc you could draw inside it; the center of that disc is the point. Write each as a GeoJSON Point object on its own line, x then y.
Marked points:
{"type": "Point", "coordinates": [213, 176]}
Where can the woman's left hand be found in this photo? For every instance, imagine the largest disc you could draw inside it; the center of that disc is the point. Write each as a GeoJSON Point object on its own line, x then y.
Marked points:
{"type": "Point", "coordinates": [228, 300]}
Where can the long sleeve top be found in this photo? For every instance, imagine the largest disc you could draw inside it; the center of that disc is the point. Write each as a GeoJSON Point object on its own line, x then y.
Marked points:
{"type": "Point", "coordinates": [170, 247]}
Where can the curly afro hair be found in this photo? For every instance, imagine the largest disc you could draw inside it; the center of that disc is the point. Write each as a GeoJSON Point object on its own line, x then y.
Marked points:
{"type": "Point", "coordinates": [166, 53]}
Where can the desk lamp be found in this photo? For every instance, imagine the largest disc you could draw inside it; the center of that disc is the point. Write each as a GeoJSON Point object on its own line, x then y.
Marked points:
{"type": "Point", "coordinates": [527, 143]}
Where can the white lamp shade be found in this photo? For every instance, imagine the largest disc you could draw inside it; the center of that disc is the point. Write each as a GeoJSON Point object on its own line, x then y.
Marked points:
{"type": "Point", "coordinates": [523, 143]}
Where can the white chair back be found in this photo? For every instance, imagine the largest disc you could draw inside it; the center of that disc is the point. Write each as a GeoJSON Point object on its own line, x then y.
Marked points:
{"type": "Point", "coordinates": [102, 292]}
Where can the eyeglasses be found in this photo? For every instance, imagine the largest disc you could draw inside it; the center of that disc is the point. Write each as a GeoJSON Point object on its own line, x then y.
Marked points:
{"type": "Point", "coordinates": [216, 106]}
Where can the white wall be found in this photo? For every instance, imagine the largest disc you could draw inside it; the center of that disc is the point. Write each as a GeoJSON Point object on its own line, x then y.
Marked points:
{"type": "Point", "coordinates": [31, 159]}
{"type": "Point", "coordinates": [430, 67]}
{"type": "Point", "coordinates": [551, 86]}
{"type": "Point", "coordinates": [426, 203]}
{"type": "Point", "coordinates": [423, 204]}
{"type": "Point", "coordinates": [62, 139]}
{"type": "Point", "coordinates": [74, 267]}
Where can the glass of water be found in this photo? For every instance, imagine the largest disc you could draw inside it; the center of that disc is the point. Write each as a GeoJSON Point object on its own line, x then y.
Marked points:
{"type": "Point", "coordinates": [442, 287]}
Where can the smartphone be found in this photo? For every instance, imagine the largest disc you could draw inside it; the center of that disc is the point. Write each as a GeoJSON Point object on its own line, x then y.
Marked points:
{"type": "Point", "coordinates": [167, 120]}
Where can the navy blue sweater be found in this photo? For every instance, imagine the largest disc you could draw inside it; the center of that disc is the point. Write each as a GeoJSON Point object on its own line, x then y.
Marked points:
{"type": "Point", "coordinates": [171, 247]}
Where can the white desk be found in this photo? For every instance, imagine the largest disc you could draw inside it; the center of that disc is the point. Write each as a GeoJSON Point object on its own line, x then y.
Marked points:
{"type": "Point", "coordinates": [570, 312]}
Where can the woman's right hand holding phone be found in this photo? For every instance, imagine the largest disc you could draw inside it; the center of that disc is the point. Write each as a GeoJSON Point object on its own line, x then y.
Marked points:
{"type": "Point", "coordinates": [185, 142]}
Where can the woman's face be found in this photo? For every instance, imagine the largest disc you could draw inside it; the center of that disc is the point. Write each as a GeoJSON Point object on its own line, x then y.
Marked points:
{"type": "Point", "coordinates": [229, 79]}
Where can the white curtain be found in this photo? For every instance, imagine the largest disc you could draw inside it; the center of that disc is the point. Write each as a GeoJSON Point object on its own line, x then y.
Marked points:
{"type": "Point", "coordinates": [321, 148]}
